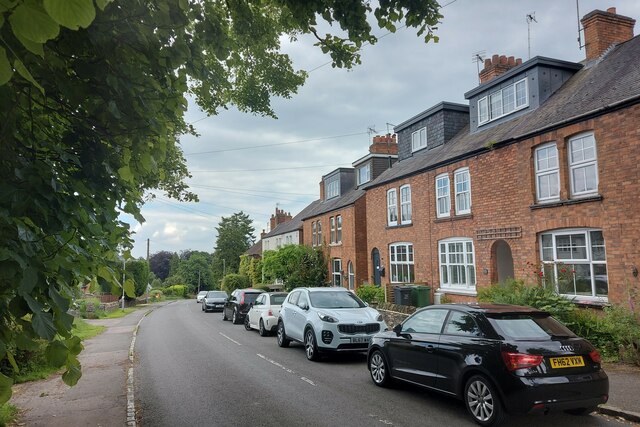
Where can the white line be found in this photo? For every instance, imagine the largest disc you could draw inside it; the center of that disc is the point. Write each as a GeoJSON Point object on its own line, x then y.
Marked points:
{"type": "Point", "coordinates": [230, 339]}
{"type": "Point", "coordinates": [273, 362]}
{"type": "Point", "coordinates": [307, 380]}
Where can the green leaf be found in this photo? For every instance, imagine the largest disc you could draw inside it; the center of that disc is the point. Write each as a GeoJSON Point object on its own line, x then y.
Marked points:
{"type": "Point", "coordinates": [106, 273]}
{"type": "Point", "coordinates": [5, 388]}
{"type": "Point", "coordinates": [103, 3]}
{"type": "Point", "coordinates": [5, 67]}
{"type": "Point", "coordinates": [56, 353]}
{"type": "Point", "coordinates": [33, 24]}
{"type": "Point", "coordinates": [72, 14]}
{"type": "Point", "coordinates": [23, 342]}
{"type": "Point", "coordinates": [29, 280]}
{"type": "Point", "coordinates": [125, 173]}
{"type": "Point", "coordinates": [22, 70]}
{"type": "Point", "coordinates": [72, 374]}
{"type": "Point", "coordinates": [59, 300]}
{"type": "Point", "coordinates": [12, 362]}
{"type": "Point", "coordinates": [3, 349]}
{"type": "Point", "coordinates": [43, 325]}
{"type": "Point", "coordinates": [31, 46]}
{"type": "Point", "coordinates": [34, 305]}
{"type": "Point", "coordinates": [130, 288]}
{"type": "Point", "coordinates": [74, 344]}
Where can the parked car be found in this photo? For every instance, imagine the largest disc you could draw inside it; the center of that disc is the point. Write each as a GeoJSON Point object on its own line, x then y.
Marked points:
{"type": "Point", "coordinates": [327, 319]}
{"type": "Point", "coordinates": [214, 300]}
{"type": "Point", "coordinates": [498, 359]}
{"type": "Point", "coordinates": [264, 312]}
{"type": "Point", "coordinates": [238, 304]}
{"type": "Point", "coordinates": [200, 295]}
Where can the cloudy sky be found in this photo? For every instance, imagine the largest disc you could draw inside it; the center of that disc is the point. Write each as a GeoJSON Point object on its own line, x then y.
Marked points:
{"type": "Point", "coordinates": [252, 164]}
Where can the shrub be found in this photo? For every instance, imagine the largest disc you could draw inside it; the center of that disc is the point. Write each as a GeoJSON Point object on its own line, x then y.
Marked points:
{"type": "Point", "coordinates": [156, 295]}
{"type": "Point", "coordinates": [231, 282]}
{"type": "Point", "coordinates": [176, 290]}
{"type": "Point", "coordinates": [370, 293]}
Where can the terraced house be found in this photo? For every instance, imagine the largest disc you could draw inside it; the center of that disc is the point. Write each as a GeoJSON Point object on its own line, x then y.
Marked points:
{"type": "Point", "coordinates": [538, 175]}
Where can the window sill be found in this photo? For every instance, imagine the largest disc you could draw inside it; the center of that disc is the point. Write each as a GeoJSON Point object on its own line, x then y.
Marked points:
{"type": "Point", "coordinates": [335, 244]}
{"type": "Point", "coordinates": [454, 218]}
{"type": "Point", "coordinates": [454, 291]}
{"type": "Point", "coordinates": [588, 302]}
{"type": "Point", "coordinates": [568, 202]}
{"type": "Point", "coordinates": [390, 227]}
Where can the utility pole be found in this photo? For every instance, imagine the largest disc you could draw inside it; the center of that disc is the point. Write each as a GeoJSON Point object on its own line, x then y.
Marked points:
{"type": "Point", "coordinates": [198, 281]}
{"type": "Point", "coordinates": [124, 267]}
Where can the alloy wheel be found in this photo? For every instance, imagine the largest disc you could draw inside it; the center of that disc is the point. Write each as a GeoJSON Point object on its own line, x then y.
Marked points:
{"type": "Point", "coordinates": [378, 368]}
{"type": "Point", "coordinates": [480, 401]}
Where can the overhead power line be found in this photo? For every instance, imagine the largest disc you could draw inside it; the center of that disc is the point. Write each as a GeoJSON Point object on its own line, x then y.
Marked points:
{"type": "Point", "coordinates": [211, 187]}
{"type": "Point", "coordinates": [270, 169]}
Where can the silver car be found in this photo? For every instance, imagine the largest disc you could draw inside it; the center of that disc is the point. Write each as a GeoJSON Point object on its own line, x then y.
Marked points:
{"type": "Point", "coordinates": [327, 320]}
{"type": "Point", "coordinates": [214, 300]}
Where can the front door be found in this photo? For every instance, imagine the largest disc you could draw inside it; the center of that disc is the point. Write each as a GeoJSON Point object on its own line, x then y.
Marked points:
{"type": "Point", "coordinates": [503, 261]}
{"type": "Point", "coordinates": [375, 258]}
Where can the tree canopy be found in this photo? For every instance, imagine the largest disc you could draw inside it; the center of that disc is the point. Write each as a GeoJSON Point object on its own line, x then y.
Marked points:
{"type": "Point", "coordinates": [296, 265]}
{"type": "Point", "coordinates": [160, 264]}
{"type": "Point", "coordinates": [92, 101]}
{"type": "Point", "coordinates": [235, 236]}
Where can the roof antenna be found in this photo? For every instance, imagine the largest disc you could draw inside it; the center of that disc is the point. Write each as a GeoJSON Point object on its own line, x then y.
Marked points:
{"type": "Point", "coordinates": [478, 57]}
{"type": "Point", "coordinates": [531, 17]}
{"type": "Point", "coordinates": [390, 124]}
{"type": "Point", "coordinates": [371, 129]}
{"type": "Point", "coordinates": [580, 45]}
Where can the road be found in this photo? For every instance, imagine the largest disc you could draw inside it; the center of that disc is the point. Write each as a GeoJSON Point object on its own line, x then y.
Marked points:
{"type": "Point", "coordinates": [194, 369]}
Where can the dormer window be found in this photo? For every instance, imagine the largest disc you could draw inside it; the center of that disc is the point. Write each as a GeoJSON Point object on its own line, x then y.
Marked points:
{"type": "Point", "coordinates": [364, 173]}
{"type": "Point", "coordinates": [332, 188]}
{"type": "Point", "coordinates": [419, 139]}
{"type": "Point", "coordinates": [502, 102]}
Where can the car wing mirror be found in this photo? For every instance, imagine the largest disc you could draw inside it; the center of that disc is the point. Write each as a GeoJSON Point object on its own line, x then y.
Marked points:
{"type": "Point", "coordinates": [398, 329]}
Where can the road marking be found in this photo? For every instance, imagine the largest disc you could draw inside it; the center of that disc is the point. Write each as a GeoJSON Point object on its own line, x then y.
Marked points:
{"type": "Point", "coordinates": [230, 339]}
{"type": "Point", "coordinates": [385, 422]}
{"type": "Point", "coordinates": [279, 365]}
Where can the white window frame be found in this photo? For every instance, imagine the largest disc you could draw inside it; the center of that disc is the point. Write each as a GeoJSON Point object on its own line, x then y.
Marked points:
{"type": "Point", "coordinates": [462, 194]}
{"type": "Point", "coordinates": [332, 230]}
{"type": "Point", "coordinates": [486, 114]}
{"type": "Point", "coordinates": [352, 276]}
{"type": "Point", "coordinates": [336, 273]}
{"type": "Point", "coordinates": [576, 165]}
{"type": "Point", "coordinates": [366, 171]}
{"type": "Point", "coordinates": [405, 266]}
{"type": "Point", "coordinates": [332, 188]}
{"type": "Point", "coordinates": [419, 139]}
{"type": "Point", "coordinates": [553, 265]}
{"type": "Point", "coordinates": [319, 240]}
{"type": "Point", "coordinates": [392, 207]}
{"type": "Point", "coordinates": [338, 229]}
{"type": "Point", "coordinates": [547, 173]}
{"type": "Point", "coordinates": [405, 204]}
{"type": "Point", "coordinates": [457, 263]}
{"type": "Point", "coordinates": [314, 234]}
{"type": "Point", "coordinates": [441, 195]}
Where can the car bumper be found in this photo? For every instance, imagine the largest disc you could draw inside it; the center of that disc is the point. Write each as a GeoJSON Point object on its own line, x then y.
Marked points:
{"type": "Point", "coordinates": [270, 323]}
{"type": "Point", "coordinates": [214, 307]}
{"type": "Point", "coordinates": [557, 393]}
{"type": "Point", "coordinates": [331, 338]}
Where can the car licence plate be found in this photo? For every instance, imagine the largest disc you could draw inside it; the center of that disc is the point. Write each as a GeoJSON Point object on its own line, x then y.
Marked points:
{"type": "Point", "coordinates": [360, 340]}
{"type": "Point", "coordinates": [566, 362]}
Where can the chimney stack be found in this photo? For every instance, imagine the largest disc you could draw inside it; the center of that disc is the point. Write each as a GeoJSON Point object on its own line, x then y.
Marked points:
{"type": "Point", "coordinates": [279, 217]}
{"type": "Point", "coordinates": [604, 29]}
{"type": "Point", "coordinates": [385, 144]}
{"type": "Point", "coordinates": [496, 66]}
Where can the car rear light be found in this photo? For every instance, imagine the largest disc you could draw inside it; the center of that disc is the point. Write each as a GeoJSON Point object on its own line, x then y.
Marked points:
{"type": "Point", "coordinates": [595, 356]}
{"type": "Point", "coordinates": [516, 361]}
{"type": "Point", "coordinates": [242, 299]}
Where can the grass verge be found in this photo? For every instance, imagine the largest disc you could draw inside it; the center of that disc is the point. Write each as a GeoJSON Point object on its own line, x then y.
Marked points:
{"type": "Point", "coordinates": [8, 414]}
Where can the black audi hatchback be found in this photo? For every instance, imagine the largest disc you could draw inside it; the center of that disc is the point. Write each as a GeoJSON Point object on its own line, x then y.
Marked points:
{"type": "Point", "coordinates": [498, 359]}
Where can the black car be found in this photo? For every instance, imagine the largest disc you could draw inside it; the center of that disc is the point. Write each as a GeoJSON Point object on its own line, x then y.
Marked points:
{"type": "Point", "coordinates": [238, 304]}
{"type": "Point", "coordinates": [214, 300]}
{"type": "Point", "coordinates": [498, 359]}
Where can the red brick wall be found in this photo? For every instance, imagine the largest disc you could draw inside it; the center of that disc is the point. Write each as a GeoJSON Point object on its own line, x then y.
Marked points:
{"type": "Point", "coordinates": [602, 29]}
{"type": "Point", "coordinates": [502, 192]}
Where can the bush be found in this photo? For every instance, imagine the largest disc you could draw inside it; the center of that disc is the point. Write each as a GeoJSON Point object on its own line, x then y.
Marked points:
{"type": "Point", "coordinates": [370, 293]}
{"type": "Point", "coordinates": [231, 282]}
{"type": "Point", "coordinates": [176, 291]}
{"type": "Point", "coordinates": [156, 295]}
{"type": "Point", "coordinates": [88, 308]}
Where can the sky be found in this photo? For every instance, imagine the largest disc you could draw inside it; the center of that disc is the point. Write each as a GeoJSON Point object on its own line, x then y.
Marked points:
{"type": "Point", "coordinates": [253, 164]}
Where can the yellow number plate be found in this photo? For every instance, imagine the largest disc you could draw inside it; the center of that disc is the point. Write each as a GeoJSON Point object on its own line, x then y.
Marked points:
{"type": "Point", "coordinates": [566, 362]}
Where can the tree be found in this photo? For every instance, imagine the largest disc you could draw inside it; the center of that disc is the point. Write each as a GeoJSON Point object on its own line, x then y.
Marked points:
{"type": "Point", "coordinates": [296, 265]}
{"type": "Point", "coordinates": [160, 264]}
{"type": "Point", "coordinates": [235, 237]}
{"type": "Point", "coordinates": [196, 271]}
{"type": "Point", "coordinates": [92, 102]}
{"type": "Point", "coordinates": [138, 270]}
{"type": "Point", "coordinates": [252, 268]}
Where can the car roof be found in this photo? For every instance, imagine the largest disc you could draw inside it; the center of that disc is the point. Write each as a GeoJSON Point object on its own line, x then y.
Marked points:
{"type": "Point", "coordinates": [326, 289]}
{"type": "Point", "coordinates": [251, 290]}
{"type": "Point", "coordinates": [277, 293]}
{"type": "Point", "coordinates": [491, 308]}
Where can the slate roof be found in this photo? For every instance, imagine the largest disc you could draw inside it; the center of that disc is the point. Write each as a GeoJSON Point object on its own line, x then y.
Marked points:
{"type": "Point", "coordinates": [324, 206]}
{"type": "Point", "coordinates": [602, 85]}
{"type": "Point", "coordinates": [256, 249]}
{"type": "Point", "coordinates": [294, 223]}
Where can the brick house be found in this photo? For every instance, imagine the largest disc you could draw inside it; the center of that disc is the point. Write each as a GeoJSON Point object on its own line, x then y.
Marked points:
{"type": "Point", "coordinates": [285, 230]}
{"type": "Point", "coordinates": [538, 176]}
{"type": "Point", "coordinates": [337, 223]}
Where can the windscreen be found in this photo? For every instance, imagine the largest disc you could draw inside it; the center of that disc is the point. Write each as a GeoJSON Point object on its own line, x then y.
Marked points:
{"type": "Point", "coordinates": [249, 298]}
{"type": "Point", "coordinates": [278, 299]}
{"type": "Point", "coordinates": [216, 294]}
{"type": "Point", "coordinates": [335, 299]}
{"type": "Point", "coordinates": [529, 327]}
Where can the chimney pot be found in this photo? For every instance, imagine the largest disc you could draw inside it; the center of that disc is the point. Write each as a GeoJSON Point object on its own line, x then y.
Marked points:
{"type": "Point", "coordinates": [518, 61]}
{"type": "Point", "coordinates": [495, 59]}
{"type": "Point", "coordinates": [612, 10]}
{"type": "Point", "coordinates": [498, 65]}
{"type": "Point", "coordinates": [511, 61]}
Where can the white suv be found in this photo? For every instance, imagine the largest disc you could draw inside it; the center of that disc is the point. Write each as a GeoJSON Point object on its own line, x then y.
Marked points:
{"type": "Point", "coordinates": [327, 319]}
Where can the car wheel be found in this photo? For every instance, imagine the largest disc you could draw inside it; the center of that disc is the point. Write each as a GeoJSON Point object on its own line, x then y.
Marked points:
{"type": "Point", "coordinates": [283, 341]}
{"type": "Point", "coordinates": [581, 411]}
{"type": "Point", "coordinates": [235, 318]}
{"type": "Point", "coordinates": [263, 332]}
{"type": "Point", "coordinates": [379, 369]}
{"type": "Point", "coordinates": [224, 314]}
{"type": "Point", "coordinates": [202, 307]}
{"type": "Point", "coordinates": [247, 326]}
{"type": "Point", "coordinates": [482, 401]}
{"type": "Point", "coordinates": [310, 347]}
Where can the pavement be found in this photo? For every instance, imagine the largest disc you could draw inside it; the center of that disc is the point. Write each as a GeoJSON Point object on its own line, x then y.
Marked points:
{"type": "Point", "coordinates": [101, 396]}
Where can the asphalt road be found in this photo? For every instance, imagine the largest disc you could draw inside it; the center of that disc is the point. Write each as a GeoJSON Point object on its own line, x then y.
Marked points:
{"type": "Point", "coordinates": [194, 369]}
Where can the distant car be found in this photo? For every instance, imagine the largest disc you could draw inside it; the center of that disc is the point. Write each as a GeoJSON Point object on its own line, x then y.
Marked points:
{"type": "Point", "coordinates": [214, 300]}
{"type": "Point", "coordinates": [264, 313]}
{"type": "Point", "coordinates": [498, 359]}
{"type": "Point", "coordinates": [200, 295]}
{"type": "Point", "coordinates": [327, 320]}
{"type": "Point", "coordinates": [237, 305]}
